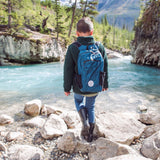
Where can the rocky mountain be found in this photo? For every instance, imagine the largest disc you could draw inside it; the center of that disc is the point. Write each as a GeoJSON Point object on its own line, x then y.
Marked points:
{"type": "Point", "coordinates": [145, 47]}
{"type": "Point", "coordinates": [119, 12]}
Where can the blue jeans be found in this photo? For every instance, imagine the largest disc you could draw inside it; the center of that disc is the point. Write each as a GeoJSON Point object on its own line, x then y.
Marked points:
{"type": "Point", "coordinates": [89, 104]}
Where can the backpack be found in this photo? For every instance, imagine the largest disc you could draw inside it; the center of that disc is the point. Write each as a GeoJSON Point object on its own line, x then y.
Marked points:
{"type": "Point", "coordinates": [90, 62]}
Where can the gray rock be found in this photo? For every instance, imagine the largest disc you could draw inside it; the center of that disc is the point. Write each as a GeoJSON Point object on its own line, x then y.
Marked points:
{"type": "Point", "coordinates": [5, 119]}
{"type": "Point", "coordinates": [47, 110]}
{"type": "Point", "coordinates": [53, 127]}
{"type": "Point", "coordinates": [129, 157]}
{"type": "Point", "coordinates": [142, 108]}
{"type": "Point", "coordinates": [151, 146]}
{"type": "Point", "coordinates": [151, 130]}
{"type": "Point", "coordinates": [37, 49]}
{"type": "Point", "coordinates": [3, 147]}
{"type": "Point", "coordinates": [25, 152]}
{"type": "Point", "coordinates": [150, 118]}
{"type": "Point", "coordinates": [71, 119]}
{"type": "Point", "coordinates": [119, 127]}
{"type": "Point", "coordinates": [103, 148]}
{"type": "Point", "coordinates": [67, 142]}
{"type": "Point", "coordinates": [12, 136]}
{"type": "Point", "coordinates": [32, 108]}
{"type": "Point", "coordinates": [82, 146]}
{"type": "Point", "coordinates": [35, 122]}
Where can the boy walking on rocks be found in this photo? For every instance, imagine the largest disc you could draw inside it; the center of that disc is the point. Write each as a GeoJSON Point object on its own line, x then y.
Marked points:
{"type": "Point", "coordinates": [86, 71]}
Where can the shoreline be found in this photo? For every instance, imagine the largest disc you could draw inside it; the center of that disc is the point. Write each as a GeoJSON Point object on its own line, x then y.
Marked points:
{"type": "Point", "coordinates": [32, 133]}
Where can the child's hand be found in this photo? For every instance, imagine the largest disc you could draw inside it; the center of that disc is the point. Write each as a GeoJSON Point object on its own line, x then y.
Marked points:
{"type": "Point", "coordinates": [104, 89]}
{"type": "Point", "coordinates": [67, 93]}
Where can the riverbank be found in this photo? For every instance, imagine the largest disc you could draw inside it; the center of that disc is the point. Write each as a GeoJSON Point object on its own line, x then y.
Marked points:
{"type": "Point", "coordinates": [55, 132]}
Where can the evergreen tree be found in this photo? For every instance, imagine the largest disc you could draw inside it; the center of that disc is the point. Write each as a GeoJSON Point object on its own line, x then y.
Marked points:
{"type": "Point", "coordinates": [88, 7]}
{"type": "Point", "coordinates": [59, 23]}
{"type": "Point", "coordinates": [73, 16]}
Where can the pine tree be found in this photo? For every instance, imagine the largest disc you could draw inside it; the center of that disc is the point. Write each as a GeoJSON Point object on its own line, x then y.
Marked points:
{"type": "Point", "coordinates": [59, 23]}
{"type": "Point", "coordinates": [73, 15]}
{"type": "Point", "coordinates": [88, 7]}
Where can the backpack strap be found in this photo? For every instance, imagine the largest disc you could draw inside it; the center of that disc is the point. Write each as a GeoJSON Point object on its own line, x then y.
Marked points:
{"type": "Point", "coordinates": [97, 44]}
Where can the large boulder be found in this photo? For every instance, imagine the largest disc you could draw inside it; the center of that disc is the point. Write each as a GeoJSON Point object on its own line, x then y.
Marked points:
{"type": "Point", "coordinates": [5, 119]}
{"type": "Point", "coordinates": [53, 127]}
{"type": "Point", "coordinates": [48, 109]}
{"type": "Point", "coordinates": [103, 148]}
{"type": "Point", "coordinates": [119, 127]}
{"type": "Point", "coordinates": [150, 118]}
{"type": "Point", "coordinates": [25, 152]}
{"type": "Point", "coordinates": [67, 142]}
{"type": "Point", "coordinates": [151, 130]}
{"type": "Point", "coordinates": [38, 48]}
{"type": "Point", "coordinates": [151, 146]}
{"type": "Point", "coordinates": [34, 122]}
{"type": "Point", "coordinates": [33, 108]}
{"type": "Point", "coordinates": [71, 119]}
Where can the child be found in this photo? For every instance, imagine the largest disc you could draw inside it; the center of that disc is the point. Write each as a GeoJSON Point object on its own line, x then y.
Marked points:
{"type": "Point", "coordinates": [85, 110]}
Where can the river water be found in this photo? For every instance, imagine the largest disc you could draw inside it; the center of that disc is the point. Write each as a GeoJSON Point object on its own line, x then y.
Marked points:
{"type": "Point", "coordinates": [130, 86]}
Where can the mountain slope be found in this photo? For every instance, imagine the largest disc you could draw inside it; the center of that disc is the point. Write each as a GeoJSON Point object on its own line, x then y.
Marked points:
{"type": "Point", "coordinates": [119, 11]}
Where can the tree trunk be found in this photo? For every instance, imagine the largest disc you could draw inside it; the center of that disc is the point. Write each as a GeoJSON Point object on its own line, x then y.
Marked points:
{"type": "Point", "coordinates": [74, 10]}
{"type": "Point", "coordinates": [9, 13]}
{"type": "Point", "coordinates": [44, 22]}
{"type": "Point", "coordinates": [85, 7]}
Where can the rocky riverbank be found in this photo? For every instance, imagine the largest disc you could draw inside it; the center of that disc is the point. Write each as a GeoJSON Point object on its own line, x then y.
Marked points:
{"type": "Point", "coordinates": [145, 47]}
{"type": "Point", "coordinates": [47, 132]}
{"type": "Point", "coordinates": [37, 48]}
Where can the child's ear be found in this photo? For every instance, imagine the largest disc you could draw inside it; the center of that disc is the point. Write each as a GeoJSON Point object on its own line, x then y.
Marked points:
{"type": "Point", "coordinates": [77, 33]}
{"type": "Point", "coordinates": [91, 32]}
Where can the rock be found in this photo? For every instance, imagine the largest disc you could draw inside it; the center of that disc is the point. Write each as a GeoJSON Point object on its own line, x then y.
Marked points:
{"type": "Point", "coordinates": [67, 142]}
{"type": "Point", "coordinates": [5, 119]}
{"type": "Point", "coordinates": [151, 146]}
{"type": "Point", "coordinates": [53, 127]}
{"type": "Point", "coordinates": [129, 157]}
{"type": "Point", "coordinates": [3, 147]}
{"type": "Point", "coordinates": [35, 122]}
{"type": "Point", "coordinates": [25, 152]}
{"type": "Point", "coordinates": [82, 146]}
{"type": "Point", "coordinates": [150, 118]}
{"type": "Point", "coordinates": [47, 110]}
{"type": "Point", "coordinates": [38, 139]}
{"type": "Point", "coordinates": [142, 108]}
{"type": "Point", "coordinates": [12, 136]}
{"type": "Point", "coordinates": [151, 130]}
{"type": "Point", "coordinates": [118, 127]}
{"type": "Point", "coordinates": [71, 119]}
{"type": "Point", "coordinates": [32, 108]}
{"type": "Point", "coordinates": [145, 46]}
{"type": "Point", "coordinates": [38, 48]}
{"type": "Point", "coordinates": [103, 148]}
{"type": "Point", "coordinates": [113, 54]}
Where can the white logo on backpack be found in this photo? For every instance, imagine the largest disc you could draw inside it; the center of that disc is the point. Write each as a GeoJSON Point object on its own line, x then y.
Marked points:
{"type": "Point", "coordinates": [90, 83]}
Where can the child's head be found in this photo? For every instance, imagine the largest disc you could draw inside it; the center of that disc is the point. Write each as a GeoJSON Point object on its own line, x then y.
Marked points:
{"type": "Point", "coordinates": [84, 27]}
